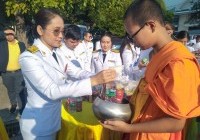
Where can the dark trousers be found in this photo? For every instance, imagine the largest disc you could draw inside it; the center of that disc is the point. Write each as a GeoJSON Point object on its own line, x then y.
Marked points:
{"type": "Point", "coordinates": [14, 83]}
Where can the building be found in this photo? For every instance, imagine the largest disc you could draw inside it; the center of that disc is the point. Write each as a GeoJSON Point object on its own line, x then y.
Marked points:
{"type": "Point", "coordinates": [186, 15]}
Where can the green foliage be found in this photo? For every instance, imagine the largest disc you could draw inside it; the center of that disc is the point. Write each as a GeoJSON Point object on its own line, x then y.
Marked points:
{"type": "Point", "coordinates": [30, 7]}
{"type": "Point", "coordinates": [103, 14]}
{"type": "Point", "coordinates": [109, 15]}
{"type": "Point", "coordinates": [169, 16]}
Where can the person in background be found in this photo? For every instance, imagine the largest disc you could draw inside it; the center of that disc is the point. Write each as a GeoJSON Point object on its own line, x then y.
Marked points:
{"type": "Point", "coordinates": [85, 49]}
{"type": "Point", "coordinates": [170, 28]}
{"type": "Point", "coordinates": [197, 45]}
{"type": "Point", "coordinates": [97, 45]}
{"type": "Point", "coordinates": [105, 57]}
{"type": "Point", "coordinates": [168, 95]}
{"type": "Point", "coordinates": [45, 71]}
{"type": "Point", "coordinates": [10, 50]}
{"type": "Point", "coordinates": [184, 37]}
{"type": "Point", "coordinates": [72, 36]}
{"type": "Point", "coordinates": [130, 56]}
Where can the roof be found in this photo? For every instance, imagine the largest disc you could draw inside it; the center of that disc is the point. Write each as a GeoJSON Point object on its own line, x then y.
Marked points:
{"type": "Point", "coordinates": [180, 6]}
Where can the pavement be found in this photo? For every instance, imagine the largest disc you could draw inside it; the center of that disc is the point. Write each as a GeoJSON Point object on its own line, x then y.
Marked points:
{"type": "Point", "coordinates": [11, 121]}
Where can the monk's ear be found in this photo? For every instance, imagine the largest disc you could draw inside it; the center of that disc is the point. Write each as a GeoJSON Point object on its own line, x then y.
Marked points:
{"type": "Point", "coordinates": [151, 24]}
{"type": "Point", "coordinates": [40, 30]}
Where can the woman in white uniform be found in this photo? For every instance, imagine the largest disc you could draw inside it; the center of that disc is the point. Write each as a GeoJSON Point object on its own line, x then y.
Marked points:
{"type": "Point", "coordinates": [105, 58]}
{"type": "Point", "coordinates": [45, 70]}
{"type": "Point", "coordinates": [130, 54]}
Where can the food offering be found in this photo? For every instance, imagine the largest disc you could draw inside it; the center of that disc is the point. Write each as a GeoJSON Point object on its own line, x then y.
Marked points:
{"type": "Point", "coordinates": [74, 104]}
{"type": "Point", "coordinates": [112, 102]}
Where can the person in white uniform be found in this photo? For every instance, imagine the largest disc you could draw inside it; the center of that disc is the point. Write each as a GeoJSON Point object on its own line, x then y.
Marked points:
{"type": "Point", "coordinates": [97, 45]}
{"type": "Point", "coordinates": [45, 70]}
{"type": "Point", "coordinates": [184, 37]}
{"type": "Point", "coordinates": [85, 49]}
{"type": "Point", "coordinates": [197, 45]}
{"type": "Point", "coordinates": [130, 54]}
{"type": "Point", "coordinates": [72, 36]}
{"type": "Point", "coordinates": [105, 57]}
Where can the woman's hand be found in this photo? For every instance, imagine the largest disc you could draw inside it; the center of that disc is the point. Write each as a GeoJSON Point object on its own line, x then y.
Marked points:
{"type": "Point", "coordinates": [102, 77]}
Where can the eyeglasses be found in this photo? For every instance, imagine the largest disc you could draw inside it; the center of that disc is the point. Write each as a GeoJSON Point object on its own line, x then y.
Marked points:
{"type": "Point", "coordinates": [56, 32]}
{"type": "Point", "coordinates": [131, 38]}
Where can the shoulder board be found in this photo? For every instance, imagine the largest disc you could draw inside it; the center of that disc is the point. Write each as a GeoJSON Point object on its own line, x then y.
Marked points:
{"type": "Point", "coordinates": [96, 51]}
{"type": "Point", "coordinates": [33, 49]}
{"type": "Point", "coordinates": [115, 51]}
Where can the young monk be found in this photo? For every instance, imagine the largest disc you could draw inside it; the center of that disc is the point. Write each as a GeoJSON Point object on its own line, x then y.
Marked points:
{"type": "Point", "coordinates": [170, 92]}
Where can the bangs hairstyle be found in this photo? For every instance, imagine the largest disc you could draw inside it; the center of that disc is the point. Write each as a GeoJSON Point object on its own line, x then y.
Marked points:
{"type": "Point", "coordinates": [108, 34]}
{"type": "Point", "coordinates": [141, 11]}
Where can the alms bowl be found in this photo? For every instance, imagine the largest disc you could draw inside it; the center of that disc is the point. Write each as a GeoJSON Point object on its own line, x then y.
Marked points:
{"type": "Point", "coordinates": [105, 110]}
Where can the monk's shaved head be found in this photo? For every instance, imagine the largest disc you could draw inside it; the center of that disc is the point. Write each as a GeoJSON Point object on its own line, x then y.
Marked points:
{"type": "Point", "coordinates": [140, 11]}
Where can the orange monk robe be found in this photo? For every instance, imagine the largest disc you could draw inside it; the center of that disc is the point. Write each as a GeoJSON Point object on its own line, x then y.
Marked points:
{"type": "Point", "coordinates": [171, 88]}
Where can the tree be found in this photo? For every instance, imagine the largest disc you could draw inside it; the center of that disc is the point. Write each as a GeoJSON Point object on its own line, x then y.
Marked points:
{"type": "Point", "coordinates": [103, 14]}
{"type": "Point", "coordinates": [109, 15]}
{"type": "Point", "coordinates": [22, 9]}
{"type": "Point", "coordinates": [195, 16]}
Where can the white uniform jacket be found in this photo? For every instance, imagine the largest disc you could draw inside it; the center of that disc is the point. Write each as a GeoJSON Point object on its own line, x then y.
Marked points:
{"type": "Point", "coordinates": [73, 56]}
{"type": "Point", "coordinates": [130, 57]}
{"type": "Point", "coordinates": [46, 85]}
{"type": "Point", "coordinates": [85, 52]}
{"type": "Point", "coordinates": [112, 59]}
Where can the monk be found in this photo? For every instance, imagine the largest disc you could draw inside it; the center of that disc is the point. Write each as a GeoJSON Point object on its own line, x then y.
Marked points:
{"type": "Point", "coordinates": [169, 94]}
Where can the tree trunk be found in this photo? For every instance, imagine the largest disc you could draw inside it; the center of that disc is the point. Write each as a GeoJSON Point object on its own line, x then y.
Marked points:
{"type": "Point", "coordinates": [21, 30]}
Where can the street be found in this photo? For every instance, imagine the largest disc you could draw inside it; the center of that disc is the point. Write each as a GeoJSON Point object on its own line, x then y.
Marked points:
{"type": "Point", "coordinates": [10, 120]}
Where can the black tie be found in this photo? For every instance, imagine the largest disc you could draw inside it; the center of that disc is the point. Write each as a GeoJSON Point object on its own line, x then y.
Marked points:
{"type": "Point", "coordinates": [54, 56]}
{"type": "Point", "coordinates": [104, 57]}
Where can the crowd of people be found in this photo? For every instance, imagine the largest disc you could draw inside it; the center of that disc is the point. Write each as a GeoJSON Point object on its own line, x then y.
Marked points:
{"type": "Point", "coordinates": [59, 65]}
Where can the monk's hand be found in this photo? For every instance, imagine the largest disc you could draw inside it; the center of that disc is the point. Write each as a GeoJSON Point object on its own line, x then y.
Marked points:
{"type": "Point", "coordinates": [117, 126]}
{"type": "Point", "coordinates": [105, 76]}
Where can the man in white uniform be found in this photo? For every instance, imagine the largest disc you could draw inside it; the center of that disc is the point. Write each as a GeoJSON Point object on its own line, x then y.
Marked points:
{"type": "Point", "coordinates": [72, 36]}
{"type": "Point", "coordinates": [85, 49]}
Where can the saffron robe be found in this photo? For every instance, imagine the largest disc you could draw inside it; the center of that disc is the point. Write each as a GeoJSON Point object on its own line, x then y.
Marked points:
{"type": "Point", "coordinates": [171, 87]}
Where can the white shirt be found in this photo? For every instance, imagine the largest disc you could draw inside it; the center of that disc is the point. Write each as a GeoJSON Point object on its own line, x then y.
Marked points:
{"type": "Point", "coordinates": [98, 46]}
{"type": "Point", "coordinates": [197, 46]}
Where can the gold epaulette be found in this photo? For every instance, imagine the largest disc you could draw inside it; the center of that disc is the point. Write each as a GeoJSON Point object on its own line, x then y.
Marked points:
{"type": "Point", "coordinates": [115, 51]}
{"type": "Point", "coordinates": [33, 49]}
{"type": "Point", "coordinates": [96, 51]}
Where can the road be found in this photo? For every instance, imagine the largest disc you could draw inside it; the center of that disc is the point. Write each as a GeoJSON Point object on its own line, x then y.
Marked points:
{"type": "Point", "coordinates": [4, 101]}
{"type": "Point", "coordinates": [10, 120]}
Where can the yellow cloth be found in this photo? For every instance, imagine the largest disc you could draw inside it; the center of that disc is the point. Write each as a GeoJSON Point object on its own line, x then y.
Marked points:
{"type": "Point", "coordinates": [13, 57]}
{"type": "Point", "coordinates": [3, 133]}
{"type": "Point", "coordinates": [84, 126]}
